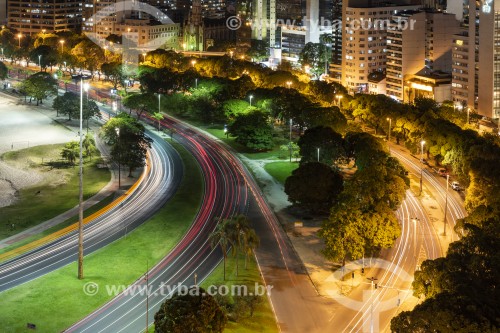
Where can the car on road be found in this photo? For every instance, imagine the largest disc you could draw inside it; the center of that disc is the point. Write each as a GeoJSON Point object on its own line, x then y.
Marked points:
{"type": "Point", "coordinates": [443, 172]}
{"type": "Point", "coordinates": [456, 186]}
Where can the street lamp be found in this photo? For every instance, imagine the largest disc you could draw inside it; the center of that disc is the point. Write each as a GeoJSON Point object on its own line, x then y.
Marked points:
{"type": "Point", "coordinates": [119, 157]}
{"type": "Point", "coordinates": [80, 199]}
{"type": "Point", "coordinates": [193, 62]}
{"type": "Point", "coordinates": [288, 83]}
{"type": "Point", "coordinates": [290, 142]}
{"type": "Point", "coordinates": [318, 154]}
{"type": "Point", "coordinates": [339, 97]}
{"type": "Point", "coordinates": [144, 57]}
{"type": "Point", "coordinates": [62, 45]}
{"type": "Point", "coordinates": [250, 97]}
{"type": "Point", "coordinates": [159, 102]}
{"type": "Point", "coordinates": [373, 286]}
{"type": "Point", "coordinates": [231, 53]}
{"type": "Point", "coordinates": [19, 36]}
{"type": "Point", "coordinates": [40, 61]}
{"type": "Point", "coordinates": [422, 143]}
{"type": "Point", "coordinates": [446, 205]}
{"type": "Point", "coordinates": [390, 124]}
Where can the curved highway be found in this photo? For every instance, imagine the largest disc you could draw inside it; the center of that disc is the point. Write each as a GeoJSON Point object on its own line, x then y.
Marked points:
{"type": "Point", "coordinates": [163, 178]}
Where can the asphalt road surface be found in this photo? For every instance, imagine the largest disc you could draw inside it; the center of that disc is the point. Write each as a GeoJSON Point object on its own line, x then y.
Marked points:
{"type": "Point", "coordinates": [158, 186]}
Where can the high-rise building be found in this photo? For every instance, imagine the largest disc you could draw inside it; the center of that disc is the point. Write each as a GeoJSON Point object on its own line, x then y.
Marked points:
{"type": "Point", "coordinates": [419, 43]}
{"type": "Point", "coordinates": [3, 12]}
{"type": "Point", "coordinates": [476, 59]}
{"type": "Point", "coordinates": [365, 40]}
{"type": "Point", "coordinates": [33, 16]}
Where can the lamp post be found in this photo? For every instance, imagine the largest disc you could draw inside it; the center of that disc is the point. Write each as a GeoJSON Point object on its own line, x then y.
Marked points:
{"type": "Point", "coordinates": [159, 102]}
{"type": "Point", "coordinates": [62, 45]}
{"type": "Point", "coordinates": [390, 125]}
{"type": "Point", "coordinates": [250, 97]}
{"type": "Point", "coordinates": [422, 143]}
{"type": "Point", "coordinates": [19, 36]}
{"type": "Point", "coordinates": [318, 154]}
{"type": "Point", "coordinates": [119, 157]}
{"type": "Point", "coordinates": [339, 97]}
{"type": "Point", "coordinates": [231, 53]}
{"type": "Point", "coordinates": [193, 62]}
{"type": "Point", "coordinates": [196, 83]}
{"type": "Point", "coordinates": [40, 61]}
{"type": "Point", "coordinates": [288, 83]}
{"type": "Point", "coordinates": [144, 57]}
{"type": "Point", "coordinates": [80, 197]}
{"type": "Point", "coordinates": [372, 282]}
{"type": "Point", "coordinates": [290, 144]}
{"type": "Point", "coordinates": [446, 204]}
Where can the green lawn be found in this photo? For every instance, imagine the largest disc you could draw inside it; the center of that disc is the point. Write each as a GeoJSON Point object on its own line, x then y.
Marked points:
{"type": "Point", "coordinates": [263, 319]}
{"type": "Point", "coordinates": [56, 300]}
{"type": "Point", "coordinates": [281, 170]}
{"type": "Point", "coordinates": [57, 193]}
{"type": "Point", "coordinates": [103, 203]}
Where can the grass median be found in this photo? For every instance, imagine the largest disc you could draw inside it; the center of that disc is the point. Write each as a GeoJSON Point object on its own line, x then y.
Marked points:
{"type": "Point", "coordinates": [263, 319]}
{"type": "Point", "coordinates": [56, 300]}
{"type": "Point", "coordinates": [55, 188]}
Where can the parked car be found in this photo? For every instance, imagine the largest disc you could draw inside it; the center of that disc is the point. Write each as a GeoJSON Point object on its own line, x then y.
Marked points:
{"type": "Point", "coordinates": [443, 172]}
{"type": "Point", "coordinates": [456, 186]}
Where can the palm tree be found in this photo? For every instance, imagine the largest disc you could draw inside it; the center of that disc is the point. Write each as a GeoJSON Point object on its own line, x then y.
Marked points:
{"type": "Point", "coordinates": [158, 116]}
{"type": "Point", "coordinates": [239, 227]}
{"type": "Point", "coordinates": [220, 236]}
{"type": "Point", "coordinates": [252, 241]}
{"type": "Point", "coordinates": [88, 144]}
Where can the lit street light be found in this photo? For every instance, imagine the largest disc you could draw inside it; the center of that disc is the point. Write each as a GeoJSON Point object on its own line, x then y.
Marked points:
{"type": "Point", "coordinates": [40, 61]}
{"type": "Point", "coordinates": [289, 83]}
{"type": "Point", "coordinates": [144, 57]}
{"type": "Point", "coordinates": [119, 157]}
{"type": "Point", "coordinates": [422, 143]}
{"type": "Point", "coordinates": [250, 97]}
{"type": "Point", "coordinates": [193, 62]}
{"type": "Point", "coordinates": [19, 36]}
{"type": "Point", "coordinates": [80, 198]}
{"type": "Point", "coordinates": [318, 153]}
{"type": "Point", "coordinates": [339, 97]}
{"type": "Point", "coordinates": [390, 124]}
{"type": "Point", "coordinates": [62, 45]}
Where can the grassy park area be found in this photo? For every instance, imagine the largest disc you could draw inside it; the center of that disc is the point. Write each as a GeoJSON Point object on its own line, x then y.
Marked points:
{"type": "Point", "coordinates": [56, 300]}
{"type": "Point", "coordinates": [281, 170]}
{"type": "Point", "coordinates": [50, 187]}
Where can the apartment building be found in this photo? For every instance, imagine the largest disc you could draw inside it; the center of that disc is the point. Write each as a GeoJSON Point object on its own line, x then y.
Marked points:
{"type": "Point", "coordinates": [365, 40]}
{"type": "Point", "coordinates": [476, 59]}
{"type": "Point", "coordinates": [419, 43]}
{"type": "Point", "coordinates": [32, 16]}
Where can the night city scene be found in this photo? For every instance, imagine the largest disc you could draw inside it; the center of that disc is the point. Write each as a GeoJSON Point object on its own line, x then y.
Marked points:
{"type": "Point", "coordinates": [250, 166]}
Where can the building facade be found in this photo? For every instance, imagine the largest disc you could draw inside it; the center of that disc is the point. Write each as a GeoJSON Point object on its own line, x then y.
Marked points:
{"type": "Point", "coordinates": [365, 41]}
{"type": "Point", "coordinates": [418, 43]}
{"type": "Point", "coordinates": [476, 59]}
{"type": "Point", "coordinates": [30, 17]}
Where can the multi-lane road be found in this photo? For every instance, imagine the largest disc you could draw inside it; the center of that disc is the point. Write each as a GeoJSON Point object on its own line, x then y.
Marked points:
{"type": "Point", "coordinates": [229, 190]}
{"type": "Point", "coordinates": [160, 182]}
